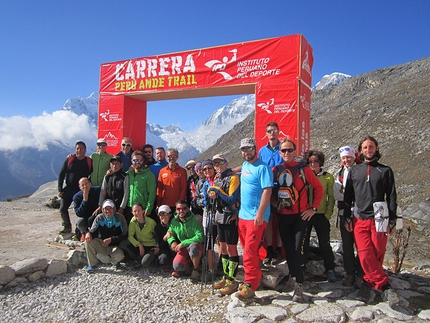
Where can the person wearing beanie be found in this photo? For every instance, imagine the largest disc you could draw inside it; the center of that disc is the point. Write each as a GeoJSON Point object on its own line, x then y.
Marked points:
{"type": "Point", "coordinates": [351, 265]}
{"type": "Point", "coordinates": [103, 239]}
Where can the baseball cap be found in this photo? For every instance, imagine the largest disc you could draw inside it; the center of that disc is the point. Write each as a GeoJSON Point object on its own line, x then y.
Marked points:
{"type": "Point", "coordinates": [108, 203]}
{"type": "Point", "coordinates": [190, 163]}
{"type": "Point", "coordinates": [219, 156]}
{"type": "Point", "coordinates": [164, 208]}
{"type": "Point", "coordinates": [101, 141]}
{"type": "Point", "coordinates": [247, 142]}
{"type": "Point", "coordinates": [116, 158]}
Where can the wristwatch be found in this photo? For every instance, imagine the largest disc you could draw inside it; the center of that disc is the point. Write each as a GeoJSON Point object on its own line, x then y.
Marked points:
{"type": "Point", "coordinates": [314, 208]}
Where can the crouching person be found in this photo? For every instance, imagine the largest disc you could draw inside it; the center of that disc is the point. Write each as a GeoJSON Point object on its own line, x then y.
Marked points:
{"type": "Point", "coordinates": [186, 239]}
{"type": "Point", "coordinates": [141, 246]}
{"type": "Point", "coordinates": [102, 241]}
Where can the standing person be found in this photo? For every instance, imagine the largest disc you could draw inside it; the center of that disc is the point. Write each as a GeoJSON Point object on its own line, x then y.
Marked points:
{"type": "Point", "coordinates": [197, 204]}
{"type": "Point", "coordinates": [102, 240]}
{"type": "Point", "coordinates": [225, 193]}
{"type": "Point", "coordinates": [85, 203]}
{"type": "Point", "coordinates": [74, 168]}
{"type": "Point", "coordinates": [368, 183]}
{"type": "Point", "coordinates": [256, 184]}
{"type": "Point", "coordinates": [192, 181]}
{"type": "Point", "coordinates": [321, 220]}
{"type": "Point", "coordinates": [294, 209]}
{"type": "Point", "coordinates": [270, 155]}
{"type": "Point", "coordinates": [142, 186]}
{"type": "Point", "coordinates": [148, 155]}
{"type": "Point", "coordinates": [115, 186]}
{"type": "Point", "coordinates": [126, 153]}
{"type": "Point", "coordinates": [101, 161]}
{"type": "Point", "coordinates": [348, 158]}
{"type": "Point", "coordinates": [141, 246]}
{"type": "Point", "coordinates": [160, 156]}
{"type": "Point", "coordinates": [172, 181]}
{"type": "Point", "coordinates": [186, 240]}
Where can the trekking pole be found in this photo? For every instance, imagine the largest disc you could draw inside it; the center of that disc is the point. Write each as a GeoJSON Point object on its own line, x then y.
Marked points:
{"type": "Point", "coordinates": [205, 255]}
{"type": "Point", "coordinates": [211, 238]}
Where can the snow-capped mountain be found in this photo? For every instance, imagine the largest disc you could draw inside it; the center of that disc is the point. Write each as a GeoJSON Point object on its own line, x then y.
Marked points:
{"type": "Point", "coordinates": [88, 106]}
{"type": "Point", "coordinates": [329, 80]}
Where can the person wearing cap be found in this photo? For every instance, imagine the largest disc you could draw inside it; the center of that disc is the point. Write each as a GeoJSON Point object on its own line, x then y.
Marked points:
{"type": "Point", "coordinates": [101, 161]}
{"type": "Point", "coordinates": [368, 183]}
{"type": "Point", "coordinates": [350, 264]}
{"type": "Point", "coordinates": [165, 255]}
{"type": "Point", "coordinates": [115, 186]}
{"type": "Point", "coordinates": [321, 219]}
{"type": "Point", "coordinates": [256, 182]}
{"type": "Point", "coordinates": [270, 155]}
{"type": "Point", "coordinates": [126, 153]}
{"type": "Point", "coordinates": [172, 181]}
{"type": "Point", "coordinates": [75, 167]}
{"type": "Point", "coordinates": [225, 194]}
{"type": "Point", "coordinates": [85, 204]}
{"type": "Point", "coordinates": [103, 239]}
{"type": "Point", "coordinates": [141, 246]}
{"type": "Point", "coordinates": [199, 201]}
{"type": "Point", "coordinates": [186, 240]}
{"type": "Point", "coordinates": [192, 181]}
{"type": "Point", "coordinates": [142, 186]}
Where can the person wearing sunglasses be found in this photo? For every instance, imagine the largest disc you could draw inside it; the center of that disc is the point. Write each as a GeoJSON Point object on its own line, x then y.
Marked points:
{"type": "Point", "coordinates": [101, 161]}
{"type": "Point", "coordinates": [321, 220]}
{"type": "Point", "coordinates": [126, 153]}
{"type": "Point", "coordinates": [148, 154]}
{"type": "Point", "coordinates": [368, 183]}
{"type": "Point", "coordinates": [293, 218]}
{"type": "Point", "coordinates": [226, 191]}
{"type": "Point", "coordinates": [256, 182]}
{"type": "Point", "coordinates": [270, 155]}
{"type": "Point", "coordinates": [142, 186]}
{"type": "Point", "coordinates": [172, 181]}
{"type": "Point", "coordinates": [351, 265]}
{"type": "Point", "coordinates": [186, 240]}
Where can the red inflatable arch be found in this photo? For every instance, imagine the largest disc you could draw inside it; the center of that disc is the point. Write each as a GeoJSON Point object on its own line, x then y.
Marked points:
{"type": "Point", "coordinates": [277, 70]}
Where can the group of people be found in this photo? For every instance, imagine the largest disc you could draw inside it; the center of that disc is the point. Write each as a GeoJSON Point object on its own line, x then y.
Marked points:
{"type": "Point", "coordinates": [145, 210]}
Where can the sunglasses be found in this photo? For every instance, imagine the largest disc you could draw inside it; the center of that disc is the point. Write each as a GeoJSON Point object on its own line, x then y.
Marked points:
{"type": "Point", "coordinates": [101, 145]}
{"type": "Point", "coordinates": [137, 160]}
{"type": "Point", "coordinates": [290, 150]}
{"type": "Point", "coordinates": [207, 168]}
{"type": "Point", "coordinates": [219, 163]}
{"type": "Point", "coordinates": [147, 152]}
{"type": "Point", "coordinates": [190, 167]}
{"type": "Point", "coordinates": [181, 209]}
{"type": "Point", "coordinates": [272, 130]}
{"type": "Point", "coordinates": [163, 214]}
{"type": "Point", "coordinates": [246, 149]}
{"type": "Point", "coordinates": [126, 145]}
{"type": "Point", "coordinates": [344, 149]}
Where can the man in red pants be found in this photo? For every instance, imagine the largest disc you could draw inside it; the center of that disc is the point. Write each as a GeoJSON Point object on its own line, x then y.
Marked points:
{"type": "Point", "coordinates": [369, 185]}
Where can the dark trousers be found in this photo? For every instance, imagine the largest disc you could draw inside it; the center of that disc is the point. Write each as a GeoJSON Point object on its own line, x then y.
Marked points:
{"type": "Point", "coordinates": [350, 263]}
{"type": "Point", "coordinates": [292, 230]}
{"type": "Point", "coordinates": [322, 228]}
{"type": "Point", "coordinates": [65, 202]}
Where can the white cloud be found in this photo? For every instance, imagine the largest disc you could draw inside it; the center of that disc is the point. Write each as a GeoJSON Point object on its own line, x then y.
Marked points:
{"type": "Point", "coordinates": [61, 126]}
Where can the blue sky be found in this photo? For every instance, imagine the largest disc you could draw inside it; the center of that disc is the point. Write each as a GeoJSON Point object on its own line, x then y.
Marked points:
{"type": "Point", "coordinates": [52, 50]}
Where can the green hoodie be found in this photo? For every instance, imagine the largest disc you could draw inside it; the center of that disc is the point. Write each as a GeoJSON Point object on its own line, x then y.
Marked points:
{"type": "Point", "coordinates": [142, 188]}
{"type": "Point", "coordinates": [186, 232]}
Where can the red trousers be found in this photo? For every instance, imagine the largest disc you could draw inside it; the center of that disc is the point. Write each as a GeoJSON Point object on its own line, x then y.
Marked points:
{"type": "Point", "coordinates": [371, 247]}
{"type": "Point", "coordinates": [251, 239]}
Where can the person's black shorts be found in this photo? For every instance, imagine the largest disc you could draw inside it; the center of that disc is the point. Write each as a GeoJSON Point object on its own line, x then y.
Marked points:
{"type": "Point", "coordinates": [228, 233]}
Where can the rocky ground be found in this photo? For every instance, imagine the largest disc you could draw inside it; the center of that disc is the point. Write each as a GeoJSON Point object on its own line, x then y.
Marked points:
{"type": "Point", "coordinates": [154, 296]}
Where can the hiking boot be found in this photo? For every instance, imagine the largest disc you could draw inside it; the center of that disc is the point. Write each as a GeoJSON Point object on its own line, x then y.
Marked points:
{"type": "Point", "coordinates": [245, 292]}
{"type": "Point", "coordinates": [132, 264]}
{"type": "Point", "coordinates": [65, 231]}
{"type": "Point", "coordinates": [298, 293]}
{"type": "Point", "coordinates": [331, 277]}
{"type": "Point", "coordinates": [220, 284]}
{"type": "Point", "coordinates": [276, 258]}
{"type": "Point", "coordinates": [90, 269]}
{"type": "Point", "coordinates": [195, 275]}
{"type": "Point", "coordinates": [176, 274]}
{"type": "Point", "coordinates": [82, 239]}
{"type": "Point", "coordinates": [229, 288]}
{"type": "Point", "coordinates": [268, 259]}
{"type": "Point", "coordinates": [75, 237]}
{"type": "Point", "coordinates": [364, 292]}
{"type": "Point", "coordinates": [348, 281]}
{"type": "Point", "coordinates": [389, 295]}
